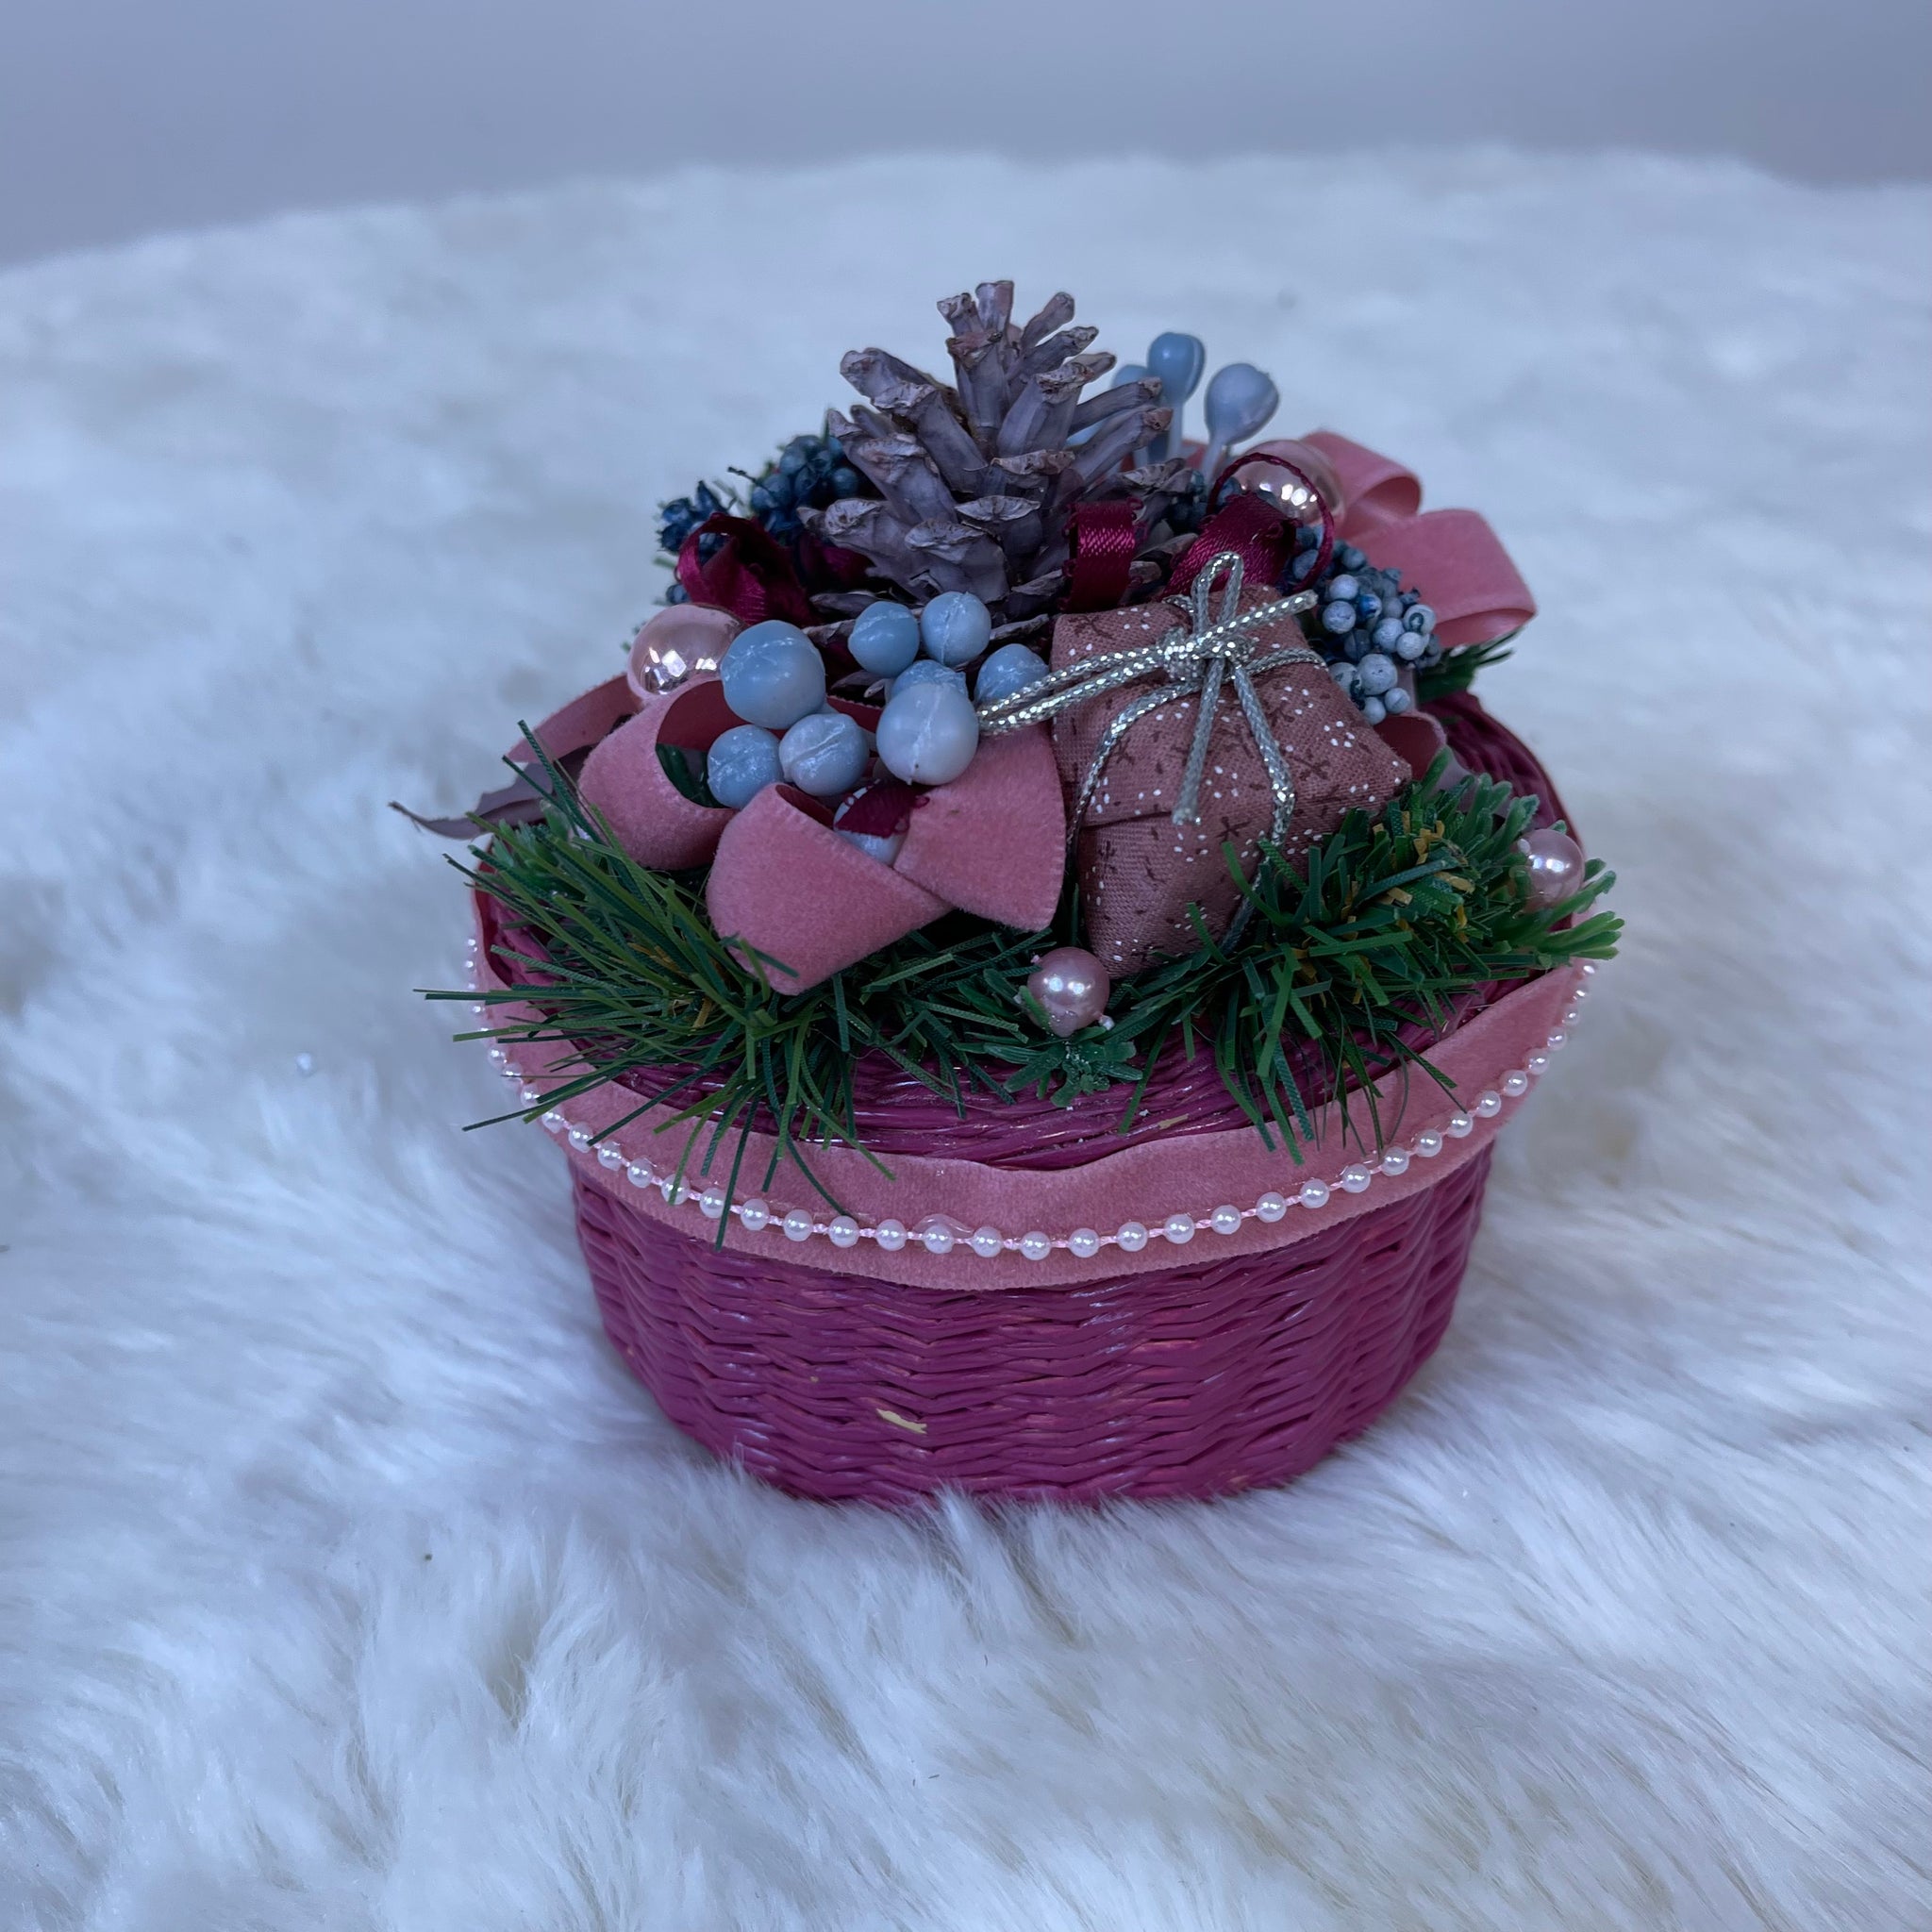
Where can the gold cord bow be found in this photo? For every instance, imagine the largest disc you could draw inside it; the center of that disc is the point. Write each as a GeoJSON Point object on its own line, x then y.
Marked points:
{"type": "Point", "coordinates": [1195, 659]}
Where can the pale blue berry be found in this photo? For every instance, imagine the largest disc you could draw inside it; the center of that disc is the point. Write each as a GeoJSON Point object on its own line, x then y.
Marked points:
{"type": "Point", "coordinates": [1346, 588]}
{"type": "Point", "coordinates": [1377, 673]}
{"type": "Point", "coordinates": [1338, 617]}
{"type": "Point", "coordinates": [879, 845]}
{"type": "Point", "coordinates": [1419, 617]}
{"type": "Point", "coordinates": [1368, 606]}
{"type": "Point", "coordinates": [1011, 669]}
{"type": "Point", "coordinates": [955, 627]}
{"type": "Point", "coordinates": [1387, 634]}
{"type": "Point", "coordinates": [1410, 644]}
{"type": "Point", "coordinates": [1395, 700]}
{"type": "Point", "coordinates": [773, 674]}
{"type": "Point", "coordinates": [1373, 710]}
{"type": "Point", "coordinates": [1349, 557]}
{"type": "Point", "coordinates": [740, 763]}
{"type": "Point", "coordinates": [927, 735]}
{"type": "Point", "coordinates": [885, 638]}
{"type": "Point", "coordinates": [824, 755]}
{"type": "Point", "coordinates": [1345, 676]}
{"type": "Point", "coordinates": [924, 671]}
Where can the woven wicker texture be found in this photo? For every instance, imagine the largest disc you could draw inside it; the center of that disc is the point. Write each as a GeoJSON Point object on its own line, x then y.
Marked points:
{"type": "Point", "coordinates": [1192, 1382]}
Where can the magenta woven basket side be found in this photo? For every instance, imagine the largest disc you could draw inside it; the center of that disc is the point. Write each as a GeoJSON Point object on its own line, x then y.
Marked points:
{"type": "Point", "coordinates": [1186, 1382]}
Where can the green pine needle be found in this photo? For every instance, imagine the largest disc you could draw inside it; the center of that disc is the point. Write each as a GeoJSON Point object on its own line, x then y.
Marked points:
{"type": "Point", "coordinates": [1395, 918]}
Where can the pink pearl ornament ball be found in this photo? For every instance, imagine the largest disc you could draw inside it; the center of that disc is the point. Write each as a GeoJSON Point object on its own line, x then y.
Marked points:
{"type": "Point", "coordinates": [1071, 987]}
{"type": "Point", "coordinates": [1556, 867]}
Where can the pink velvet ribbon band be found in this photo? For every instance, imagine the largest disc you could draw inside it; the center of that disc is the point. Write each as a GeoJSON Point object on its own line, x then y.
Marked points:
{"type": "Point", "coordinates": [1191, 1172]}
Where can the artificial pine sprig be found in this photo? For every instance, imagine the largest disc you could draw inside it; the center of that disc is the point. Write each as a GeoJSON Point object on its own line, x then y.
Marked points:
{"type": "Point", "coordinates": [1336, 971]}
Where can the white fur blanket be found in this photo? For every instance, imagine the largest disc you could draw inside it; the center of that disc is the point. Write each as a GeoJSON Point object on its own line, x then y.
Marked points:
{"type": "Point", "coordinates": [346, 1580]}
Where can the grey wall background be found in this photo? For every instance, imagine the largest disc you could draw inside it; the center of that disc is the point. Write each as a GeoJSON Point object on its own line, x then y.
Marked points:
{"type": "Point", "coordinates": [118, 117]}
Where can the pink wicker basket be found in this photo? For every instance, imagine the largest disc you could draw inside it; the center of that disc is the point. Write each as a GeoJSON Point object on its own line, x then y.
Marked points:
{"type": "Point", "coordinates": [836, 1367]}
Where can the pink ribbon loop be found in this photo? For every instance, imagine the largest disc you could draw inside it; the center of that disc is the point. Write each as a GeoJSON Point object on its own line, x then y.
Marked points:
{"type": "Point", "coordinates": [1451, 555]}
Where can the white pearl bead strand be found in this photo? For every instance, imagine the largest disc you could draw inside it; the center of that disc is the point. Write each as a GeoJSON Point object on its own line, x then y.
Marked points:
{"type": "Point", "coordinates": [939, 1234]}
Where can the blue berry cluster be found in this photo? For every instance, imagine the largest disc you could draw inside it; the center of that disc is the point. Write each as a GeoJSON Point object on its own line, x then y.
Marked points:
{"type": "Point", "coordinates": [1370, 629]}
{"type": "Point", "coordinates": [811, 473]}
{"type": "Point", "coordinates": [1185, 515]}
{"type": "Point", "coordinates": [807, 473]}
{"type": "Point", "coordinates": [678, 519]}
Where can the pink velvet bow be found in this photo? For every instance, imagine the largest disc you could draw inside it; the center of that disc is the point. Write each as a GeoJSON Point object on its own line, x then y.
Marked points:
{"type": "Point", "coordinates": [1451, 555]}
{"type": "Point", "coordinates": [784, 885]}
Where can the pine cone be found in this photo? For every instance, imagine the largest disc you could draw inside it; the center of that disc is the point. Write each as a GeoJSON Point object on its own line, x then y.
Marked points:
{"type": "Point", "coordinates": [976, 479]}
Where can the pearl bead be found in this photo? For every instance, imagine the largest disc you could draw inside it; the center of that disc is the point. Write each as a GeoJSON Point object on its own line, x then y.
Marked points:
{"type": "Point", "coordinates": [1458, 1126]}
{"type": "Point", "coordinates": [1428, 1144]}
{"type": "Point", "coordinates": [1132, 1237]}
{"type": "Point", "coordinates": [937, 1239]}
{"type": "Point", "coordinates": [610, 1156]}
{"type": "Point", "coordinates": [1558, 1041]}
{"type": "Point", "coordinates": [1570, 1016]}
{"type": "Point", "coordinates": [711, 1204]}
{"type": "Point", "coordinates": [987, 1242]}
{"type": "Point", "coordinates": [1270, 1207]}
{"type": "Point", "coordinates": [1556, 866]}
{"type": "Point", "coordinates": [1084, 1243]}
{"type": "Point", "coordinates": [797, 1225]}
{"type": "Point", "coordinates": [640, 1173]}
{"type": "Point", "coordinates": [1011, 669]}
{"type": "Point", "coordinates": [740, 763]}
{"type": "Point", "coordinates": [552, 1122]}
{"type": "Point", "coordinates": [1394, 1160]}
{"type": "Point", "coordinates": [1579, 993]}
{"type": "Point", "coordinates": [843, 1231]}
{"type": "Point", "coordinates": [772, 675]}
{"type": "Point", "coordinates": [1071, 987]}
{"type": "Point", "coordinates": [891, 1236]}
{"type": "Point", "coordinates": [885, 639]}
{"type": "Point", "coordinates": [579, 1138]}
{"type": "Point", "coordinates": [1589, 968]}
{"type": "Point", "coordinates": [1355, 1179]}
{"type": "Point", "coordinates": [1178, 1228]}
{"type": "Point", "coordinates": [1036, 1246]}
{"type": "Point", "coordinates": [755, 1214]}
{"type": "Point", "coordinates": [497, 1056]}
{"type": "Point", "coordinates": [1314, 1194]}
{"type": "Point", "coordinates": [1225, 1220]}
{"type": "Point", "coordinates": [529, 1095]}
{"type": "Point", "coordinates": [1489, 1105]}
{"type": "Point", "coordinates": [1538, 1064]}
{"type": "Point", "coordinates": [955, 627]}
{"type": "Point", "coordinates": [1515, 1084]}
{"type": "Point", "coordinates": [927, 735]}
{"type": "Point", "coordinates": [675, 1191]}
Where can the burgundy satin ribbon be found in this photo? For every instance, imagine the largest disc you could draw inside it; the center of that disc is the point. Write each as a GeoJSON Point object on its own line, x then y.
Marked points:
{"type": "Point", "coordinates": [1104, 538]}
{"type": "Point", "coordinates": [1254, 528]}
{"type": "Point", "coordinates": [749, 575]}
